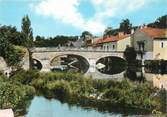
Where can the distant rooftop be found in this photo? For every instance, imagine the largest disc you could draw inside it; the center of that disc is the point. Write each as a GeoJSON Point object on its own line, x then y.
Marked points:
{"type": "Point", "coordinates": [155, 32]}
{"type": "Point", "coordinates": [118, 37]}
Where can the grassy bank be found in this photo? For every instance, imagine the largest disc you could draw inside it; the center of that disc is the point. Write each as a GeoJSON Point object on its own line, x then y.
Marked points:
{"type": "Point", "coordinates": [15, 95]}
{"type": "Point", "coordinates": [101, 94]}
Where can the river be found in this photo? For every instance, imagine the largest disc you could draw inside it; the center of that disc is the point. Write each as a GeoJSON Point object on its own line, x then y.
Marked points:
{"type": "Point", "coordinates": [42, 107]}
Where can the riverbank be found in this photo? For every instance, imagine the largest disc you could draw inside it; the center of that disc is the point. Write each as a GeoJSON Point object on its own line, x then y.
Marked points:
{"type": "Point", "coordinates": [15, 95]}
{"type": "Point", "coordinates": [75, 89]}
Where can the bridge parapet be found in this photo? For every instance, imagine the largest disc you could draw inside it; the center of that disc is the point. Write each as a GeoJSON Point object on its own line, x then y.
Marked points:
{"type": "Point", "coordinates": [62, 49]}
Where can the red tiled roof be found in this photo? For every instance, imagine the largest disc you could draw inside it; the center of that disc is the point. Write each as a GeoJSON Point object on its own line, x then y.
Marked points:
{"type": "Point", "coordinates": [111, 38]}
{"type": "Point", "coordinates": [155, 32]}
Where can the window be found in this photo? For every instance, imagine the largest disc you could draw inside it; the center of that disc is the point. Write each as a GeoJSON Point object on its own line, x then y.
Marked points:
{"type": "Point", "coordinates": [162, 44]}
{"type": "Point", "coordinates": [140, 45]}
{"type": "Point", "coordinates": [113, 47]}
{"type": "Point", "coordinates": [161, 86]}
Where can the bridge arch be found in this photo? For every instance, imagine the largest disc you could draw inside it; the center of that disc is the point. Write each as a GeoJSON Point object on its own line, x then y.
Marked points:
{"type": "Point", "coordinates": [37, 64]}
{"type": "Point", "coordinates": [111, 65]}
{"type": "Point", "coordinates": [70, 60]}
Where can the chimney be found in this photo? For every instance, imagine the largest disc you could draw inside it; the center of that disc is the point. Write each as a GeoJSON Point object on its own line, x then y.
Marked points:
{"type": "Point", "coordinates": [132, 31]}
{"type": "Point", "coordinates": [141, 27]}
{"type": "Point", "coordinates": [120, 34]}
{"type": "Point", "coordinates": [145, 26]}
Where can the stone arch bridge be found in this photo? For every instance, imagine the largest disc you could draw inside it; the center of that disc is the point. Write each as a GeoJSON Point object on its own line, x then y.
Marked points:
{"type": "Point", "coordinates": [46, 55]}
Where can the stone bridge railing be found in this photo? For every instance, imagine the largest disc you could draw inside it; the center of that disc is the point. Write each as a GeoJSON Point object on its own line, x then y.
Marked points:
{"type": "Point", "coordinates": [60, 49]}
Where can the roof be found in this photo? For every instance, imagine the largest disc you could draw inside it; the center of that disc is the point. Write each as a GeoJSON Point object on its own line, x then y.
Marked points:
{"type": "Point", "coordinates": [111, 38]}
{"type": "Point", "coordinates": [155, 32]}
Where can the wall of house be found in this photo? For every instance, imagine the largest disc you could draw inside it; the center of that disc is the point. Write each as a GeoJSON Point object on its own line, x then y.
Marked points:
{"type": "Point", "coordinates": [146, 56]}
{"type": "Point", "coordinates": [122, 44]}
{"type": "Point", "coordinates": [141, 36]}
{"type": "Point", "coordinates": [110, 46]}
{"type": "Point", "coordinates": [158, 51]}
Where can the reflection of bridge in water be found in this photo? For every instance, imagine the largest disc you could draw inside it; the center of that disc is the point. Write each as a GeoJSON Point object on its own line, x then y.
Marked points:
{"type": "Point", "coordinates": [46, 55]}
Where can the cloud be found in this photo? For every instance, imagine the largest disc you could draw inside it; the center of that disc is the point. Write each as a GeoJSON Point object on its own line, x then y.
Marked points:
{"type": "Point", "coordinates": [67, 11]}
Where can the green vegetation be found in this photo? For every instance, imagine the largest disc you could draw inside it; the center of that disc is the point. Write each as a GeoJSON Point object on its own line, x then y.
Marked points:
{"type": "Point", "coordinates": [130, 55]}
{"type": "Point", "coordinates": [156, 66]}
{"type": "Point", "coordinates": [53, 41]}
{"type": "Point", "coordinates": [11, 53]}
{"type": "Point", "coordinates": [125, 26]}
{"type": "Point", "coordinates": [159, 23]}
{"type": "Point", "coordinates": [15, 95]}
{"type": "Point", "coordinates": [77, 89]}
{"type": "Point", "coordinates": [27, 32]}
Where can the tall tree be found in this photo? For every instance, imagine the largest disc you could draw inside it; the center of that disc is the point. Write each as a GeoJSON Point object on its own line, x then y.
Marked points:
{"type": "Point", "coordinates": [27, 31]}
{"type": "Point", "coordinates": [130, 54]}
{"type": "Point", "coordinates": [28, 36]}
{"type": "Point", "coordinates": [125, 26]}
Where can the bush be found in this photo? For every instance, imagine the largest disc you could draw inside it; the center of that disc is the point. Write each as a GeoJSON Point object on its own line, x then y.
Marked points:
{"type": "Point", "coordinates": [14, 95]}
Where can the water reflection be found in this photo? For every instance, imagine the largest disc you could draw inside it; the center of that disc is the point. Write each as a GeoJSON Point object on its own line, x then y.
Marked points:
{"type": "Point", "coordinates": [157, 76]}
{"type": "Point", "coordinates": [73, 63]}
{"type": "Point", "coordinates": [135, 74]}
{"type": "Point", "coordinates": [111, 65]}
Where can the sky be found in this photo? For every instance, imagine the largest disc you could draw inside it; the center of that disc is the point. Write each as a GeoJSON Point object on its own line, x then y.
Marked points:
{"type": "Point", "coordinates": [72, 17]}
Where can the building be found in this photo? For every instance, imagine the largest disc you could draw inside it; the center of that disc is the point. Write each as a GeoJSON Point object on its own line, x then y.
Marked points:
{"type": "Point", "coordinates": [150, 43]}
{"type": "Point", "coordinates": [113, 43]}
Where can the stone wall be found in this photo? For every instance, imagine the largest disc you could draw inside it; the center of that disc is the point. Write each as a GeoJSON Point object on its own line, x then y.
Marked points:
{"type": "Point", "coordinates": [3, 67]}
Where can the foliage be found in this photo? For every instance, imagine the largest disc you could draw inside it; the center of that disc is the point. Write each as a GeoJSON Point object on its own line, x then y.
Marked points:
{"type": "Point", "coordinates": [86, 34]}
{"type": "Point", "coordinates": [109, 31]}
{"type": "Point", "coordinates": [77, 89]}
{"type": "Point", "coordinates": [25, 77]}
{"type": "Point", "coordinates": [130, 54]}
{"type": "Point", "coordinates": [11, 35]}
{"type": "Point", "coordinates": [75, 86]}
{"type": "Point", "coordinates": [27, 31]}
{"type": "Point", "coordinates": [156, 66]}
{"type": "Point", "coordinates": [53, 41]}
{"type": "Point", "coordinates": [125, 26]}
{"type": "Point", "coordinates": [14, 95]}
{"type": "Point", "coordinates": [161, 22]}
{"type": "Point", "coordinates": [12, 54]}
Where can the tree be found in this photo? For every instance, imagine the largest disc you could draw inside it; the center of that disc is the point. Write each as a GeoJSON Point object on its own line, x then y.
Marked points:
{"type": "Point", "coordinates": [28, 36]}
{"type": "Point", "coordinates": [86, 34]}
{"type": "Point", "coordinates": [161, 22]}
{"type": "Point", "coordinates": [11, 34]}
{"type": "Point", "coordinates": [130, 54]}
{"type": "Point", "coordinates": [125, 26]}
{"type": "Point", "coordinates": [109, 31]}
{"type": "Point", "coordinates": [27, 31]}
{"type": "Point", "coordinates": [10, 53]}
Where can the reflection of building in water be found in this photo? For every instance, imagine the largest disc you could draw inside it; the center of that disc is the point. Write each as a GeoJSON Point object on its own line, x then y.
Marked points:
{"type": "Point", "coordinates": [159, 81]}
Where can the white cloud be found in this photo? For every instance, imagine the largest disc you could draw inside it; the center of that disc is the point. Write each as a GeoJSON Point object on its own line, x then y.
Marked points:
{"type": "Point", "coordinates": [67, 11]}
